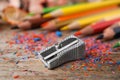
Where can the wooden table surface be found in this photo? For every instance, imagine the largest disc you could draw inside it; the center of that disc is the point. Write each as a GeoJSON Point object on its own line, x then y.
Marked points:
{"type": "Point", "coordinates": [33, 69]}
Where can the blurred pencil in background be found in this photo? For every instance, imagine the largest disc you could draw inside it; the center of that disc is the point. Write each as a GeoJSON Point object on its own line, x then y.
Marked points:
{"type": "Point", "coordinates": [87, 20]}
{"type": "Point", "coordinates": [32, 23]}
{"type": "Point", "coordinates": [65, 14]}
{"type": "Point", "coordinates": [41, 6]}
{"type": "Point", "coordinates": [52, 25]}
{"type": "Point", "coordinates": [49, 9]}
{"type": "Point", "coordinates": [79, 8]}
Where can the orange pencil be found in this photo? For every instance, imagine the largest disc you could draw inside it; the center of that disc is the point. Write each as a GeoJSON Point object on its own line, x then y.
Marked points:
{"type": "Point", "coordinates": [49, 26]}
{"type": "Point", "coordinates": [86, 13]}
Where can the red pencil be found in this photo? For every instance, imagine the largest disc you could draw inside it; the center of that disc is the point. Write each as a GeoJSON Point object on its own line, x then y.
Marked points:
{"type": "Point", "coordinates": [97, 27]}
{"type": "Point", "coordinates": [112, 32]}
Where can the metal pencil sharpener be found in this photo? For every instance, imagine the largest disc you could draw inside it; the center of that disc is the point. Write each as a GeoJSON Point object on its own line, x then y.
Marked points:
{"type": "Point", "coordinates": [69, 49]}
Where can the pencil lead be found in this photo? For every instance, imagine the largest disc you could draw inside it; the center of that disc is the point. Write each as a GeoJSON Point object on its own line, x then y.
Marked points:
{"type": "Point", "coordinates": [77, 33]}
{"type": "Point", "coordinates": [47, 16]}
{"type": "Point", "coordinates": [64, 28]}
{"type": "Point", "coordinates": [116, 45]}
{"type": "Point", "coordinates": [44, 24]}
{"type": "Point", "coordinates": [100, 37]}
{"type": "Point", "coordinates": [15, 27]}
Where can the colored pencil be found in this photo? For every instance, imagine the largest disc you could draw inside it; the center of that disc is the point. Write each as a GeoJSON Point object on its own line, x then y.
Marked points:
{"type": "Point", "coordinates": [117, 45]}
{"type": "Point", "coordinates": [112, 32]}
{"type": "Point", "coordinates": [56, 26]}
{"type": "Point", "coordinates": [47, 10]}
{"type": "Point", "coordinates": [74, 16]}
{"type": "Point", "coordinates": [79, 8]}
{"type": "Point", "coordinates": [31, 23]}
{"type": "Point", "coordinates": [98, 27]}
{"type": "Point", "coordinates": [50, 9]}
{"type": "Point", "coordinates": [87, 20]}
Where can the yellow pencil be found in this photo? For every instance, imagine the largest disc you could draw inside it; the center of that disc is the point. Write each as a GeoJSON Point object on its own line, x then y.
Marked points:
{"type": "Point", "coordinates": [78, 24]}
{"type": "Point", "coordinates": [80, 7]}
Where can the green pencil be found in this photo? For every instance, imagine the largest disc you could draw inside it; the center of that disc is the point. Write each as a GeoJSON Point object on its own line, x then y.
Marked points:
{"type": "Point", "coordinates": [49, 9]}
{"type": "Point", "coordinates": [117, 45]}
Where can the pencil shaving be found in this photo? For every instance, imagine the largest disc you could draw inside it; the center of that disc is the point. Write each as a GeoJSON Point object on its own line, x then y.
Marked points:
{"type": "Point", "coordinates": [13, 15]}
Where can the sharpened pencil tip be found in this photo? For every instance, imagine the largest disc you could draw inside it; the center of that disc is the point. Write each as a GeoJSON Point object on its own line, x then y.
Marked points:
{"type": "Point", "coordinates": [77, 33]}
{"type": "Point", "coordinates": [100, 37]}
{"type": "Point", "coordinates": [64, 28]}
{"type": "Point", "coordinates": [47, 16]}
{"type": "Point", "coordinates": [116, 45]}
{"type": "Point", "coordinates": [44, 24]}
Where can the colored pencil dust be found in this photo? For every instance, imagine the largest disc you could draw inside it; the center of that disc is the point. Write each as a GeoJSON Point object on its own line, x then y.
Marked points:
{"type": "Point", "coordinates": [25, 54]}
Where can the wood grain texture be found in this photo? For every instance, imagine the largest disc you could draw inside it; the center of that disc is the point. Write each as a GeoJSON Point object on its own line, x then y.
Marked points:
{"type": "Point", "coordinates": [33, 69]}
